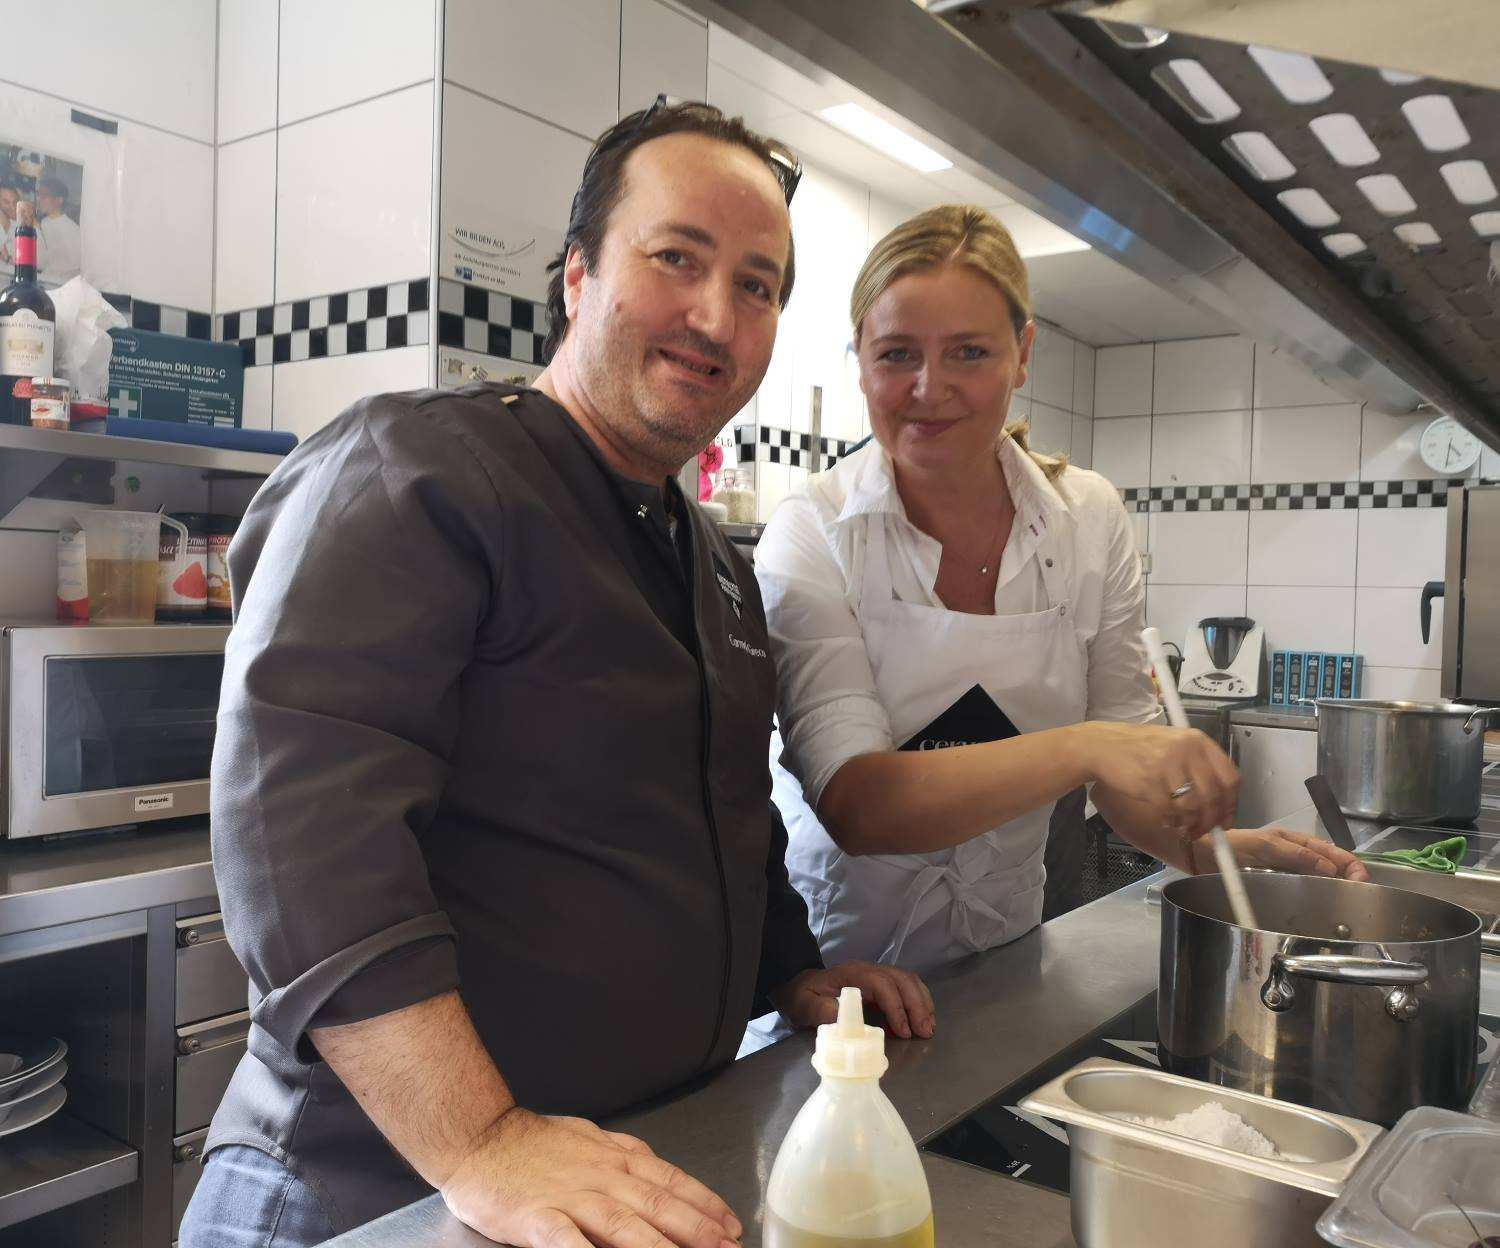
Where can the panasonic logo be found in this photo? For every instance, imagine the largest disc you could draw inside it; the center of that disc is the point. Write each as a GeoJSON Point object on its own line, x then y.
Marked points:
{"type": "Point", "coordinates": [154, 801]}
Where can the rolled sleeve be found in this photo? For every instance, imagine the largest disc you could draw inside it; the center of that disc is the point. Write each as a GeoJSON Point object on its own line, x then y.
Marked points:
{"type": "Point", "coordinates": [1119, 680]}
{"type": "Point", "coordinates": [828, 708]}
{"type": "Point", "coordinates": [366, 573]}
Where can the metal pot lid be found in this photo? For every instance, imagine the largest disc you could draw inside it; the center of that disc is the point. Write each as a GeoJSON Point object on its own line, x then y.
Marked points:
{"type": "Point", "coordinates": [1342, 914]}
{"type": "Point", "coordinates": [23, 1056]}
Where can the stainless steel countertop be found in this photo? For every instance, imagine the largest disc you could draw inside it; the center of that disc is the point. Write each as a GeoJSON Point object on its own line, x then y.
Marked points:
{"type": "Point", "coordinates": [64, 881]}
{"type": "Point", "coordinates": [1000, 1014]}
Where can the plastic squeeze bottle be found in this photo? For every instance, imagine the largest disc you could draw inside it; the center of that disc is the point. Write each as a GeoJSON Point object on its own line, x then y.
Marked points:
{"type": "Point", "coordinates": [848, 1175]}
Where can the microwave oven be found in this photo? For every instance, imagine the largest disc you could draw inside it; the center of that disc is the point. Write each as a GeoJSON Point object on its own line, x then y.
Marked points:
{"type": "Point", "coordinates": [104, 727]}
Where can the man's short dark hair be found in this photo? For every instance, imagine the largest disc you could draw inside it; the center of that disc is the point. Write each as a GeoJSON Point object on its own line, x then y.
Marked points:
{"type": "Point", "coordinates": [53, 188]}
{"type": "Point", "coordinates": [603, 184]}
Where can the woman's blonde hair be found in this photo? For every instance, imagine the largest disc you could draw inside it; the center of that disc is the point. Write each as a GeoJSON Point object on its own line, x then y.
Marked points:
{"type": "Point", "coordinates": [953, 234]}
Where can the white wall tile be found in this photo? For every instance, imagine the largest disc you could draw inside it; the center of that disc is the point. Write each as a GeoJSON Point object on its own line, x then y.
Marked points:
{"type": "Point", "coordinates": [1303, 618]}
{"type": "Point", "coordinates": [1051, 429]}
{"type": "Point", "coordinates": [247, 67]}
{"type": "Point", "coordinates": [1122, 450]}
{"type": "Point", "coordinates": [257, 412]}
{"type": "Point", "coordinates": [1203, 375]}
{"type": "Point", "coordinates": [1303, 547]}
{"type": "Point", "coordinates": [1140, 524]}
{"type": "Point", "coordinates": [1176, 609]}
{"type": "Point", "coordinates": [1489, 464]}
{"type": "Point", "coordinates": [338, 52]}
{"type": "Point", "coordinates": [660, 50]}
{"type": "Point", "coordinates": [1083, 442]}
{"type": "Point", "coordinates": [1198, 547]}
{"type": "Point", "coordinates": [488, 195]}
{"type": "Point", "coordinates": [1281, 380]}
{"type": "Point", "coordinates": [1052, 357]}
{"type": "Point", "coordinates": [28, 589]}
{"type": "Point", "coordinates": [560, 62]}
{"type": "Point", "coordinates": [1122, 381]}
{"type": "Point", "coordinates": [169, 214]}
{"type": "Point", "coordinates": [353, 196]}
{"type": "Point", "coordinates": [1406, 546]}
{"type": "Point", "coordinates": [1388, 629]}
{"type": "Point", "coordinates": [1083, 379]}
{"type": "Point", "coordinates": [1306, 443]}
{"type": "Point", "coordinates": [245, 267]}
{"type": "Point", "coordinates": [153, 63]}
{"type": "Point", "coordinates": [1201, 448]}
{"type": "Point", "coordinates": [1403, 684]}
{"type": "Point", "coordinates": [1389, 446]}
{"type": "Point", "coordinates": [310, 394]}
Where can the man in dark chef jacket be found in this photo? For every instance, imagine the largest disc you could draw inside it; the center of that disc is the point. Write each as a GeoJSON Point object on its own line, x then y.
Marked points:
{"type": "Point", "coordinates": [491, 814]}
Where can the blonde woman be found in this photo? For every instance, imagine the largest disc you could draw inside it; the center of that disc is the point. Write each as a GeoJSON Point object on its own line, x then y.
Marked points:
{"type": "Point", "coordinates": [956, 623]}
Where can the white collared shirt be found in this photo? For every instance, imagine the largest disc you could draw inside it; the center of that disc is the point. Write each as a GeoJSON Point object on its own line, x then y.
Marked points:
{"type": "Point", "coordinates": [810, 565]}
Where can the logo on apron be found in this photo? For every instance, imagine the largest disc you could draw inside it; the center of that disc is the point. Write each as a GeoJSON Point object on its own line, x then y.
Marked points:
{"type": "Point", "coordinates": [974, 718]}
{"type": "Point", "coordinates": [728, 584]}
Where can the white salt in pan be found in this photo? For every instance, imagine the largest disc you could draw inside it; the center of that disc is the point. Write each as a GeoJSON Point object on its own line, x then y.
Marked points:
{"type": "Point", "coordinates": [1212, 1123]}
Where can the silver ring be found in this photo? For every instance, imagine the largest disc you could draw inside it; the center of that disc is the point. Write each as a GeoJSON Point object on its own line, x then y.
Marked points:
{"type": "Point", "coordinates": [1182, 790]}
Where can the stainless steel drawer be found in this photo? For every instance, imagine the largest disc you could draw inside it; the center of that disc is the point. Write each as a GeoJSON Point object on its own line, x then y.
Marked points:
{"type": "Point", "coordinates": [187, 1169]}
{"type": "Point", "coordinates": [207, 1054]}
{"type": "Point", "coordinates": [210, 980]}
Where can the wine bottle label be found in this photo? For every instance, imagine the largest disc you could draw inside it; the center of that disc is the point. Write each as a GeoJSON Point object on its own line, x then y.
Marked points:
{"type": "Point", "coordinates": [25, 345]}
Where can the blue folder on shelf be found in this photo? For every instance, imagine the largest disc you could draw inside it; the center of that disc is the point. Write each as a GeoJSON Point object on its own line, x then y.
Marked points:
{"type": "Point", "coordinates": [264, 441]}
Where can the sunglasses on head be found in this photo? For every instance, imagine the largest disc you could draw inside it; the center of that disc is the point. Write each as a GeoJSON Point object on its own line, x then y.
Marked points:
{"type": "Point", "coordinates": [783, 161]}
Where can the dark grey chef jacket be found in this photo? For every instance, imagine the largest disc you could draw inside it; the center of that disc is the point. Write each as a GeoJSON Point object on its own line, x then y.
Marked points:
{"type": "Point", "coordinates": [460, 745]}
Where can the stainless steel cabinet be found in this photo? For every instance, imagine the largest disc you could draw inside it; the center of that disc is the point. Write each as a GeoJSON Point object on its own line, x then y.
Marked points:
{"type": "Point", "coordinates": [1273, 763]}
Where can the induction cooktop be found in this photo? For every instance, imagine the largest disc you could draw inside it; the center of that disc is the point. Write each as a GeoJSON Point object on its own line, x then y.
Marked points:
{"type": "Point", "coordinates": [999, 1136]}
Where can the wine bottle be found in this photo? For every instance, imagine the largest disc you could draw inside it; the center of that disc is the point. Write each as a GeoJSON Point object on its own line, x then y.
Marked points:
{"type": "Point", "coordinates": [27, 323]}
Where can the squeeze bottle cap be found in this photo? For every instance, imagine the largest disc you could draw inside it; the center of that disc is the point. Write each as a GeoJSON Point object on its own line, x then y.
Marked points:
{"type": "Point", "coordinates": [850, 1048]}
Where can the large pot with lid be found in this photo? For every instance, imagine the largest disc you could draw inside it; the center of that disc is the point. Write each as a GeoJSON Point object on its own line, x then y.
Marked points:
{"type": "Point", "coordinates": [1355, 998]}
{"type": "Point", "coordinates": [1402, 760]}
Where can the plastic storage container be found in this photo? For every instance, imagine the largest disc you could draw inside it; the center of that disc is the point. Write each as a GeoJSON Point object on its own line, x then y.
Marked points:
{"type": "Point", "coordinates": [847, 1174]}
{"type": "Point", "coordinates": [121, 550]}
{"type": "Point", "coordinates": [1434, 1180]}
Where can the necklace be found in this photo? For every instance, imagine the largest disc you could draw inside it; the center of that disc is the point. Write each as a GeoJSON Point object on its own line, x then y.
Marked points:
{"type": "Point", "coordinates": [984, 569]}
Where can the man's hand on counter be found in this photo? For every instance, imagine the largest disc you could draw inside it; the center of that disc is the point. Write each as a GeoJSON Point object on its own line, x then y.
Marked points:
{"type": "Point", "coordinates": [813, 997]}
{"type": "Point", "coordinates": [1278, 849]}
{"type": "Point", "coordinates": [538, 1182]}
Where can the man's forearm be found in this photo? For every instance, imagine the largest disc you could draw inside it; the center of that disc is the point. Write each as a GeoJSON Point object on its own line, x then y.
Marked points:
{"type": "Point", "coordinates": [423, 1077]}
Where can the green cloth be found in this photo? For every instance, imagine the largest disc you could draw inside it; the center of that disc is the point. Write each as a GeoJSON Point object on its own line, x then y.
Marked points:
{"type": "Point", "coordinates": [1441, 856]}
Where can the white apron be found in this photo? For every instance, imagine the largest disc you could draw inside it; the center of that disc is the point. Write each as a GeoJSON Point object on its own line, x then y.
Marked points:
{"type": "Point", "coordinates": [946, 678]}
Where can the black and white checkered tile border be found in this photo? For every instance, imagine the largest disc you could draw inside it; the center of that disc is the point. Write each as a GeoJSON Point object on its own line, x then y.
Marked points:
{"type": "Point", "coordinates": [370, 319]}
{"type": "Point", "coordinates": [163, 318]}
{"type": "Point", "coordinates": [1296, 496]}
{"type": "Point", "coordinates": [473, 318]}
{"type": "Point", "coordinates": [768, 444]}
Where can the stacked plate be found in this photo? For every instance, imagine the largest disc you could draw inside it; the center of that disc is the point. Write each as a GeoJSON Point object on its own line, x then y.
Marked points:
{"type": "Point", "coordinates": [31, 1073]}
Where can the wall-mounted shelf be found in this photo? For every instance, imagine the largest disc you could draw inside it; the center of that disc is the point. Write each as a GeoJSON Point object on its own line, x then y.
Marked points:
{"type": "Point", "coordinates": [29, 456]}
{"type": "Point", "coordinates": [59, 1163]}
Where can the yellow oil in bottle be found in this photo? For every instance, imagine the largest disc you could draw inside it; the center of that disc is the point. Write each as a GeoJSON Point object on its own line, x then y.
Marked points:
{"type": "Point", "coordinates": [781, 1234]}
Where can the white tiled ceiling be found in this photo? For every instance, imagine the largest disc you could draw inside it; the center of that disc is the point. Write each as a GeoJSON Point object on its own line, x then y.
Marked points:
{"type": "Point", "coordinates": [1085, 293]}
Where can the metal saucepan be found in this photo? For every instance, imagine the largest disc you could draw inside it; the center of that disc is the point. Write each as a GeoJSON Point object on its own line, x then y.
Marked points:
{"type": "Point", "coordinates": [1354, 998]}
{"type": "Point", "coordinates": [1407, 761]}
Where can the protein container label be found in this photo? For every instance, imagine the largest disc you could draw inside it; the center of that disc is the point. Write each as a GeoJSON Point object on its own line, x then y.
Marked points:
{"type": "Point", "coordinates": [25, 345]}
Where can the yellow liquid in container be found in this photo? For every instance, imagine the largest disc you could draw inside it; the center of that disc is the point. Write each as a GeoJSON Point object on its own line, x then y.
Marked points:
{"type": "Point", "coordinates": [780, 1234]}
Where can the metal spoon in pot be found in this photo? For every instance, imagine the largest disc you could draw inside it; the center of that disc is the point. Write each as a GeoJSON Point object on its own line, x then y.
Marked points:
{"type": "Point", "coordinates": [1229, 869]}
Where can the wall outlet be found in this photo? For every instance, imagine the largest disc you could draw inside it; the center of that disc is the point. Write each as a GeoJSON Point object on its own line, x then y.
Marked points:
{"type": "Point", "coordinates": [1145, 563]}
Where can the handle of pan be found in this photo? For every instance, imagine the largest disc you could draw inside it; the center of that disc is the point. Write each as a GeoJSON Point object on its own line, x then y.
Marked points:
{"type": "Point", "coordinates": [1333, 968]}
{"type": "Point", "coordinates": [1477, 713]}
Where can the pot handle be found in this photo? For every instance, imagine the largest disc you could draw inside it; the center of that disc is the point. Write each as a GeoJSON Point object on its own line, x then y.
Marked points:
{"type": "Point", "coordinates": [1278, 994]}
{"type": "Point", "coordinates": [1477, 713]}
{"type": "Point", "coordinates": [1333, 968]}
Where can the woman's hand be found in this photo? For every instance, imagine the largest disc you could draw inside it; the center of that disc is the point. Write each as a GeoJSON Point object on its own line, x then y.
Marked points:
{"type": "Point", "coordinates": [1148, 765]}
{"type": "Point", "coordinates": [1280, 850]}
